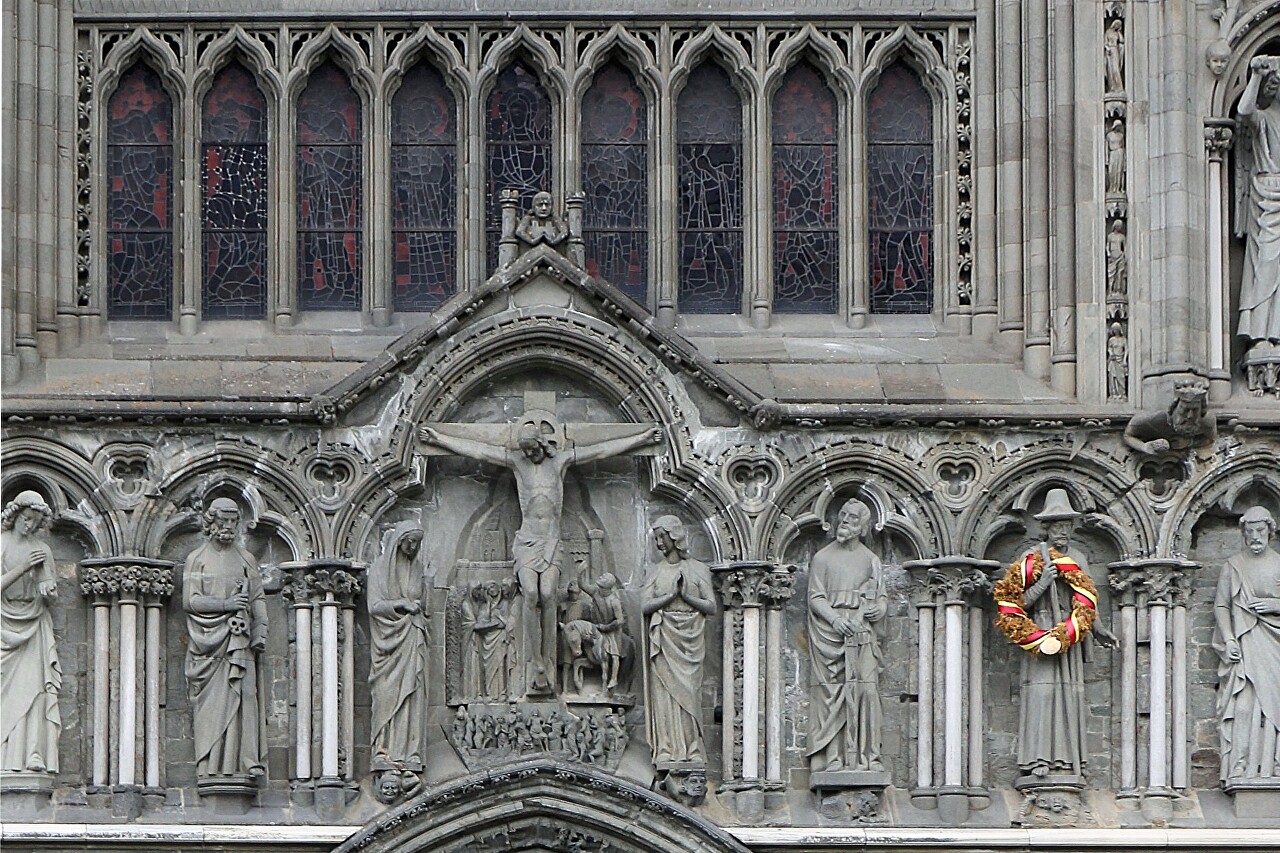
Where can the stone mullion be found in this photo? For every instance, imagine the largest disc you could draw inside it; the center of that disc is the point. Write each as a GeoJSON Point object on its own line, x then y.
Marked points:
{"type": "Point", "coordinates": [853, 217]}
{"type": "Point", "coordinates": [667, 198]}
{"type": "Point", "coordinates": [68, 319]}
{"type": "Point", "coordinates": [1039, 154]}
{"type": "Point", "coordinates": [285, 196]}
{"type": "Point", "coordinates": [1062, 174]}
{"type": "Point", "coordinates": [475, 237]}
{"type": "Point", "coordinates": [25, 207]}
{"type": "Point", "coordinates": [569, 159]}
{"type": "Point", "coordinates": [188, 251]}
{"type": "Point", "coordinates": [1007, 141]}
{"type": "Point", "coordinates": [758, 217]}
{"type": "Point", "coordinates": [847, 237]}
{"type": "Point", "coordinates": [379, 272]}
{"type": "Point", "coordinates": [983, 131]}
{"type": "Point", "coordinates": [47, 170]}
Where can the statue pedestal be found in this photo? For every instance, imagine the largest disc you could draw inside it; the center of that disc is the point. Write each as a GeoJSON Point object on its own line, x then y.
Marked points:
{"type": "Point", "coordinates": [25, 791]}
{"type": "Point", "coordinates": [843, 780]}
{"type": "Point", "coordinates": [229, 795]}
{"type": "Point", "coordinates": [1255, 797]}
{"type": "Point", "coordinates": [850, 795]}
{"type": "Point", "coordinates": [1052, 801]}
{"type": "Point", "coordinates": [1262, 368]}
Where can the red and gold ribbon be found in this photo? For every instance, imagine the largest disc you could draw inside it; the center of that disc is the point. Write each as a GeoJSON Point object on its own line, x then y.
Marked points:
{"type": "Point", "coordinates": [1020, 628]}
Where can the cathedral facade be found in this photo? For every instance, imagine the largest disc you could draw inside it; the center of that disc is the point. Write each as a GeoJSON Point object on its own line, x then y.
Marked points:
{"type": "Point", "coordinates": [693, 427]}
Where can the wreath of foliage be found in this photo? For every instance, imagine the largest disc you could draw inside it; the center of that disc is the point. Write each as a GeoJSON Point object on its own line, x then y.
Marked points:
{"type": "Point", "coordinates": [1020, 628]}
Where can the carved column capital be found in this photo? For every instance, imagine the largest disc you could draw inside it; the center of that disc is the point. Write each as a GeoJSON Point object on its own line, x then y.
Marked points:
{"type": "Point", "coordinates": [1165, 582]}
{"type": "Point", "coordinates": [745, 583]}
{"type": "Point", "coordinates": [131, 579]}
{"type": "Point", "coordinates": [310, 582]}
{"type": "Point", "coordinates": [778, 586]}
{"type": "Point", "coordinates": [1126, 580]}
{"type": "Point", "coordinates": [1218, 134]}
{"type": "Point", "coordinates": [950, 580]}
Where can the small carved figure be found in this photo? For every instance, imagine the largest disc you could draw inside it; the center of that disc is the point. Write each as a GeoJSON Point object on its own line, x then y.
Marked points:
{"type": "Point", "coordinates": [1187, 422]}
{"type": "Point", "coordinates": [610, 624]}
{"type": "Point", "coordinates": [1113, 55]}
{"type": "Point", "coordinates": [1117, 262]}
{"type": "Point", "coordinates": [459, 730]}
{"type": "Point", "coordinates": [485, 666]}
{"type": "Point", "coordinates": [538, 732]}
{"type": "Point", "coordinates": [1259, 113]}
{"type": "Point", "coordinates": [1247, 620]}
{"type": "Point", "coordinates": [398, 651]}
{"type": "Point", "coordinates": [1115, 157]}
{"type": "Point", "coordinates": [540, 468]}
{"type": "Point", "coordinates": [1117, 363]}
{"type": "Point", "coordinates": [617, 732]}
{"type": "Point", "coordinates": [541, 225]}
{"type": "Point", "coordinates": [1216, 56]}
{"type": "Point", "coordinates": [227, 628]}
{"type": "Point", "coordinates": [394, 784]}
{"type": "Point", "coordinates": [677, 599]}
{"type": "Point", "coordinates": [1051, 713]}
{"type": "Point", "coordinates": [847, 598]}
{"type": "Point", "coordinates": [29, 670]}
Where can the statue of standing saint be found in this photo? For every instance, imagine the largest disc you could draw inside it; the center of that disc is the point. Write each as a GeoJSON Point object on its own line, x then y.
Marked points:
{"type": "Point", "coordinates": [398, 651]}
{"type": "Point", "coordinates": [847, 598]}
{"type": "Point", "coordinates": [1247, 618]}
{"type": "Point", "coordinates": [1258, 219]}
{"type": "Point", "coordinates": [227, 629]}
{"type": "Point", "coordinates": [29, 671]}
{"type": "Point", "coordinates": [677, 599]}
{"type": "Point", "coordinates": [1051, 713]}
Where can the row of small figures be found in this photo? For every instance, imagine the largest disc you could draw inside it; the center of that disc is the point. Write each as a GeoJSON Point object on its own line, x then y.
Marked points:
{"type": "Point", "coordinates": [597, 738]}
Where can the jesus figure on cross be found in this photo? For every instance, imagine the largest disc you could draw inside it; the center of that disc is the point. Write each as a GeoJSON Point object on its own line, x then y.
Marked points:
{"type": "Point", "coordinates": [540, 468]}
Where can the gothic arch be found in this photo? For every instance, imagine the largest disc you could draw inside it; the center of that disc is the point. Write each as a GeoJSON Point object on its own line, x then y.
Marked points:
{"type": "Point", "coordinates": [235, 44]}
{"type": "Point", "coordinates": [714, 45]}
{"type": "Point", "coordinates": [1221, 489]}
{"type": "Point", "coordinates": [142, 45]}
{"type": "Point", "coordinates": [520, 44]}
{"type": "Point", "coordinates": [809, 44]}
{"type": "Point", "coordinates": [333, 43]}
{"type": "Point", "coordinates": [69, 484]}
{"type": "Point", "coordinates": [1259, 27]}
{"type": "Point", "coordinates": [426, 45]}
{"type": "Point", "coordinates": [631, 52]}
{"type": "Point", "coordinates": [561, 807]}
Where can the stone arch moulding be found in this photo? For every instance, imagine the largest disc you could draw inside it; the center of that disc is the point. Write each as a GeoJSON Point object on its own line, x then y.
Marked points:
{"type": "Point", "coordinates": [559, 808]}
{"type": "Point", "coordinates": [1221, 490]}
{"type": "Point", "coordinates": [882, 477]}
{"type": "Point", "coordinates": [70, 486]}
{"type": "Point", "coordinates": [1102, 493]}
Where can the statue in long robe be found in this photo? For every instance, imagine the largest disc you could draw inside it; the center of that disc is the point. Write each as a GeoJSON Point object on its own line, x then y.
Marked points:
{"type": "Point", "coordinates": [1051, 712]}
{"type": "Point", "coordinates": [227, 629]}
{"type": "Point", "coordinates": [30, 675]}
{"type": "Point", "coordinates": [1247, 621]}
{"type": "Point", "coordinates": [1258, 217]}
{"type": "Point", "coordinates": [398, 652]}
{"type": "Point", "coordinates": [847, 598]}
{"type": "Point", "coordinates": [677, 599]}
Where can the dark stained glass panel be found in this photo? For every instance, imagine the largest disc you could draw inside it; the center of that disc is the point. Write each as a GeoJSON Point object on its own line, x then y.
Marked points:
{"type": "Point", "coordinates": [900, 195]}
{"type": "Point", "coordinates": [423, 191]}
{"type": "Point", "coordinates": [709, 153]}
{"type": "Point", "coordinates": [329, 189]}
{"type": "Point", "coordinates": [234, 180]}
{"type": "Point", "coordinates": [805, 191]}
{"type": "Point", "coordinates": [615, 137]}
{"type": "Point", "coordinates": [518, 139]}
{"type": "Point", "coordinates": [140, 198]}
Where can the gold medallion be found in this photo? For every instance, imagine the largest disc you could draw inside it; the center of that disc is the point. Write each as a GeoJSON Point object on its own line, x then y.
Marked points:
{"type": "Point", "coordinates": [1051, 645]}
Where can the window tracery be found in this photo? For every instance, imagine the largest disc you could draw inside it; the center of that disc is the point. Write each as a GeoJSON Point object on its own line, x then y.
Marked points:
{"type": "Point", "coordinates": [709, 166]}
{"type": "Point", "coordinates": [615, 171]}
{"type": "Point", "coordinates": [329, 185]}
{"type": "Point", "coordinates": [140, 198]}
{"type": "Point", "coordinates": [234, 180]}
{"type": "Point", "coordinates": [423, 190]}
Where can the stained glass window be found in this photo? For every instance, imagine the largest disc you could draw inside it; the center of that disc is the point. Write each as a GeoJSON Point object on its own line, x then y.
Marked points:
{"type": "Point", "coordinates": [709, 155]}
{"type": "Point", "coordinates": [615, 136]}
{"type": "Point", "coordinates": [900, 193]}
{"type": "Point", "coordinates": [329, 190]}
{"type": "Point", "coordinates": [518, 134]}
{"type": "Point", "coordinates": [234, 178]}
{"type": "Point", "coordinates": [423, 201]}
{"type": "Point", "coordinates": [140, 198]}
{"type": "Point", "coordinates": [806, 252]}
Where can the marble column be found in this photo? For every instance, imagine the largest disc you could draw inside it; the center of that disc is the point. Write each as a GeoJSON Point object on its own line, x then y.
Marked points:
{"type": "Point", "coordinates": [1157, 589]}
{"type": "Point", "coordinates": [950, 593]}
{"type": "Point", "coordinates": [323, 592]}
{"type": "Point", "coordinates": [127, 596]}
{"type": "Point", "coordinates": [752, 592]}
{"type": "Point", "coordinates": [1218, 134]}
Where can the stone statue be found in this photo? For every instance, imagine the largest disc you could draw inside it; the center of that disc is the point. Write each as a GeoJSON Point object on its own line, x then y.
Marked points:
{"type": "Point", "coordinates": [227, 628]}
{"type": "Point", "coordinates": [677, 599]}
{"type": "Point", "coordinates": [398, 652]}
{"type": "Point", "coordinates": [1117, 260]}
{"type": "Point", "coordinates": [540, 225]}
{"type": "Point", "coordinates": [1113, 55]}
{"type": "Point", "coordinates": [610, 624]}
{"type": "Point", "coordinates": [1187, 422]}
{"type": "Point", "coordinates": [29, 670]}
{"type": "Point", "coordinates": [484, 625]}
{"type": "Point", "coordinates": [1117, 362]}
{"type": "Point", "coordinates": [1247, 619]}
{"type": "Point", "coordinates": [1258, 218]}
{"type": "Point", "coordinates": [1115, 157]}
{"type": "Point", "coordinates": [1051, 711]}
{"type": "Point", "coordinates": [540, 467]}
{"type": "Point", "coordinates": [846, 599]}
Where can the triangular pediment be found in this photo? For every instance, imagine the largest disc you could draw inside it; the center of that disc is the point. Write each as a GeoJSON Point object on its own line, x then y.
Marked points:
{"type": "Point", "coordinates": [542, 282]}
